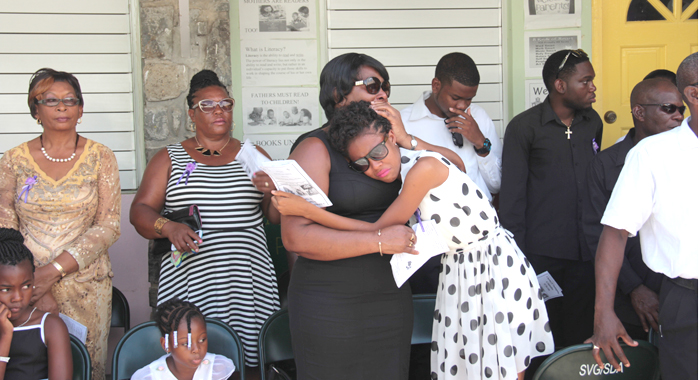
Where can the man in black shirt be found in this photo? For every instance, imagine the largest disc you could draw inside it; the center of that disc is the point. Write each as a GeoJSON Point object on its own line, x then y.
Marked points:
{"type": "Point", "coordinates": [546, 151]}
{"type": "Point", "coordinates": [656, 107]}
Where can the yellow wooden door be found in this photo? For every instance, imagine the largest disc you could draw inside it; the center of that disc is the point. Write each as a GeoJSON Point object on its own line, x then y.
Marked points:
{"type": "Point", "coordinates": [630, 39]}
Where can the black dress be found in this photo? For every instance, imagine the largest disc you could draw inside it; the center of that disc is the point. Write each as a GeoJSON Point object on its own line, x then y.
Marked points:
{"type": "Point", "coordinates": [348, 318]}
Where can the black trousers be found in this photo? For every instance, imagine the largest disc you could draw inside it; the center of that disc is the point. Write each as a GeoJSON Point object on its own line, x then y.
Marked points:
{"type": "Point", "coordinates": [678, 321]}
{"type": "Point", "coordinates": [570, 316]}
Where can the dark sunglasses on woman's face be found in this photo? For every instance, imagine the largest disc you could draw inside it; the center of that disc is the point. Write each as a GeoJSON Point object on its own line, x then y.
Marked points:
{"type": "Point", "coordinates": [668, 108]}
{"type": "Point", "coordinates": [208, 105]}
{"type": "Point", "coordinates": [373, 84]}
{"type": "Point", "coordinates": [377, 153]}
{"type": "Point", "coordinates": [53, 102]}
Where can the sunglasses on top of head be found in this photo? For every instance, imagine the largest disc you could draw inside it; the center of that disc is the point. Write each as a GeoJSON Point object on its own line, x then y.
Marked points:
{"type": "Point", "coordinates": [578, 53]}
{"type": "Point", "coordinates": [378, 153]}
{"type": "Point", "coordinates": [373, 84]}
{"type": "Point", "coordinates": [667, 108]}
{"type": "Point", "coordinates": [208, 105]}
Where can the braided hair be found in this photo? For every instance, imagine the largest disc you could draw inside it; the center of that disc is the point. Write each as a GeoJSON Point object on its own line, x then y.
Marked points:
{"type": "Point", "coordinates": [171, 312]}
{"type": "Point", "coordinates": [12, 248]}
{"type": "Point", "coordinates": [203, 79]}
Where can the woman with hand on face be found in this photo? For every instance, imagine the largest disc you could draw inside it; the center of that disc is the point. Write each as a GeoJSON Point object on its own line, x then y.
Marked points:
{"type": "Point", "coordinates": [228, 272]}
{"type": "Point", "coordinates": [348, 318]}
{"type": "Point", "coordinates": [61, 191]}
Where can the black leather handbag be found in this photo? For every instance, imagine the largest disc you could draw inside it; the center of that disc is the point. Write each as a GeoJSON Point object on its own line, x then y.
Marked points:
{"type": "Point", "coordinates": [188, 216]}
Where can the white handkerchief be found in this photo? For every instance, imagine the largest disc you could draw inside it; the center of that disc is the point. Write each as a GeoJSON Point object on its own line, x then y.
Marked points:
{"type": "Point", "coordinates": [428, 242]}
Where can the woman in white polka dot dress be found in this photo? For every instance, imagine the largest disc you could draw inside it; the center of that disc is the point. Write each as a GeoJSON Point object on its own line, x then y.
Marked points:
{"type": "Point", "coordinates": [490, 318]}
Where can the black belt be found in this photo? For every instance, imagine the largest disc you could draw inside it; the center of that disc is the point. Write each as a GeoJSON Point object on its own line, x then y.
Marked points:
{"type": "Point", "coordinates": [691, 284]}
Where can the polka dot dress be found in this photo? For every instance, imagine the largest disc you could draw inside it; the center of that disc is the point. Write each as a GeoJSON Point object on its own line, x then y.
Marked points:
{"type": "Point", "coordinates": [490, 318]}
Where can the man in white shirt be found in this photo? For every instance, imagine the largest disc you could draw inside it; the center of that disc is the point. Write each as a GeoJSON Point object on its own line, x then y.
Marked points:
{"type": "Point", "coordinates": [656, 195]}
{"type": "Point", "coordinates": [446, 117]}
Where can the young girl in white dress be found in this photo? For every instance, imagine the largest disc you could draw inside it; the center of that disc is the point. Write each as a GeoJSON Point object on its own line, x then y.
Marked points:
{"type": "Point", "coordinates": [184, 339]}
{"type": "Point", "coordinates": [490, 318]}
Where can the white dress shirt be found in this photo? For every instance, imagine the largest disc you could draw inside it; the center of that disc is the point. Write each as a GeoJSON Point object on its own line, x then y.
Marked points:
{"type": "Point", "coordinates": [484, 171]}
{"type": "Point", "coordinates": [657, 196]}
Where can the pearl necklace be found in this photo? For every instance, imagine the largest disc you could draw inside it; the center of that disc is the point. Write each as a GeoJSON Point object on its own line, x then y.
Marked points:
{"type": "Point", "coordinates": [28, 318]}
{"type": "Point", "coordinates": [72, 156]}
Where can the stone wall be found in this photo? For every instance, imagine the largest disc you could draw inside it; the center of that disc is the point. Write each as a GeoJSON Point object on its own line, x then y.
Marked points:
{"type": "Point", "coordinates": [167, 72]}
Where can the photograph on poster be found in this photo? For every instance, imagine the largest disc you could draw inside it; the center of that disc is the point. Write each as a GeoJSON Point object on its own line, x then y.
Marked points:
{"type": "Point", "coordinates": [540, 45]}
{"type": "Point", "coordinates": [276, 19]}
{"type": "Point", "coordinates": [536, 92]}
{"type": "Point", "coordinates": [279, 62]}
{"type": "Point", "coordinates": [276, 145]}
{"type": "Point", "coordinates": [548, 14]}
{"type": "Point", "coordinates": [280, 110]}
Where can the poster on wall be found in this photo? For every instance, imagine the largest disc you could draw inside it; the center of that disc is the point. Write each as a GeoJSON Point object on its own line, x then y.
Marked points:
{"type": "Point", "coordinates": [279, 62]}
{"type": "Point", "coordinates": [548, 14]}
{"type": "Point", "coordinates": [536, 92]}
{"type": "Point", "coordinates": [279, 109]}
{"type": "Point", "coordinates": [276, 145]}
{"type": "Point", "coordinates": [265, 19]}
{"type": "Point", "coordinates": [540, 45]}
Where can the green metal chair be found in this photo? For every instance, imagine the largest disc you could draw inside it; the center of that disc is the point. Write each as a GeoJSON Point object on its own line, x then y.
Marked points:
{"type": "Point", "coordinates": [81, 360]}
{"type": "Point", "coordinates": [423, 315]}
{"type": "Point", "coordinates": [275, 341]}
{"type": "Point", "coordinates": [121, 314]}
{"type": "Point", "coordinates": [141, 345]}
{"type": "Point", "coordinates": [577, 361]}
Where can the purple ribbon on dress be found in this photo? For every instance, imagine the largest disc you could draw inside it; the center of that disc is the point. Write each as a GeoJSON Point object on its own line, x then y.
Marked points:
{"type": "Point", "coordinates": [188, 170]}
{"type": "Point", "coordinates": [595, 147]}
{"type": "Point", "coordinates": [417, 214]}
{"type": "Point", "coordinates": [28, 184]}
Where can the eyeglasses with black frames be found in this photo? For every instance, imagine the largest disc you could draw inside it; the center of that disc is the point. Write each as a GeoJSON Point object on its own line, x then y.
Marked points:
{"type": "Point", "coordinates": [378, 153]}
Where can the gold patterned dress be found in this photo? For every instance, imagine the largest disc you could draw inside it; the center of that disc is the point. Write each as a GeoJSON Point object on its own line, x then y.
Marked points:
{"type": "Point", "coordinates": [80, 213]}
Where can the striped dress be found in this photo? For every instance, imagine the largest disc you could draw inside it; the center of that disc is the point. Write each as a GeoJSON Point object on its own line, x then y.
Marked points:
{"type": "Point", "coordinates": [232, 278]}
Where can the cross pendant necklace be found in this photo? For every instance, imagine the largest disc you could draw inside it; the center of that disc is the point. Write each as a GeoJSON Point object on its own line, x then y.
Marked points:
{"type": "Point", "coordinates": [568, 130]}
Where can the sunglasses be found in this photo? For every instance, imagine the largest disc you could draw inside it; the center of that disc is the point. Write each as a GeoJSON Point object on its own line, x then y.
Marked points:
{"type": "Point", "coordinates": [668, 108]}
{"type": "Point", "coordinates": [578, 53]}
{"type": "Point", "coordinates": [208, 105]}
{"type": "Point", "coordinates": [373, 84]}
{"type": "Point", "coordinates": [378, 153]}
{"type": "Point", "coordinates": [53, 102]}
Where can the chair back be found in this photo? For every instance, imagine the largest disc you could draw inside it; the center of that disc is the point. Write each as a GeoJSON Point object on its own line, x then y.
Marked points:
{"type": "Point", "coordinates": [577, 361]}
{"type": "Point", "coordinates": [275, 341]}
{"type": "Point", "coordinates": [121, 315]}
{"type": "Point", "coordinates": [141, 345]}
{"type": "Point", "coordinates": [423, 316]}
{"type": "Point", "coordinates": [81, 360]}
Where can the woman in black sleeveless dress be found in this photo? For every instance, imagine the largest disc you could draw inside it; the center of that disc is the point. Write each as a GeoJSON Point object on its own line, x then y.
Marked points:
{"type": "Point", "coordinates": [348, 319]}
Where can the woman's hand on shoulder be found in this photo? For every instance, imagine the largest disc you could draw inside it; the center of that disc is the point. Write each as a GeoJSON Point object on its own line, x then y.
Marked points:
{"type": "Point", "coordinates": [46, 303]}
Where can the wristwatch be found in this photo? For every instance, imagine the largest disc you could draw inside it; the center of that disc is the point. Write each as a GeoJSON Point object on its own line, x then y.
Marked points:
{"type": "Point", "coordinates": [414, 143]}
{"type": "Point", "coordinates": [485, 149]}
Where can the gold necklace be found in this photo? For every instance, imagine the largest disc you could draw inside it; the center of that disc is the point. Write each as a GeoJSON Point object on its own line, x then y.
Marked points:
{"type": "Point", "coordinates": [210, 152]}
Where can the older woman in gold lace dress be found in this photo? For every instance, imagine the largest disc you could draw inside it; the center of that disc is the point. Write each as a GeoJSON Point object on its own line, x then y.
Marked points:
{"type": "Point", "coordinates": [62, 192]}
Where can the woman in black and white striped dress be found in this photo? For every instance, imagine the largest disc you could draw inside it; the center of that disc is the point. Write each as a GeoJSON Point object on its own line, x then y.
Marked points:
{"type": "Point", "coordinates": [229, 275]}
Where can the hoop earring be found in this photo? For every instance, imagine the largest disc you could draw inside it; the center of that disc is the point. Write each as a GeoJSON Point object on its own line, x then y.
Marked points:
{"type": "Point", "coordinates": [38, 121]}
{"type": "Point", "coordinates": [192, 127]}
{"type": "Point", "coordinates": [80, 120]}
{"type": "Point", "coordinates": [234, 126]}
